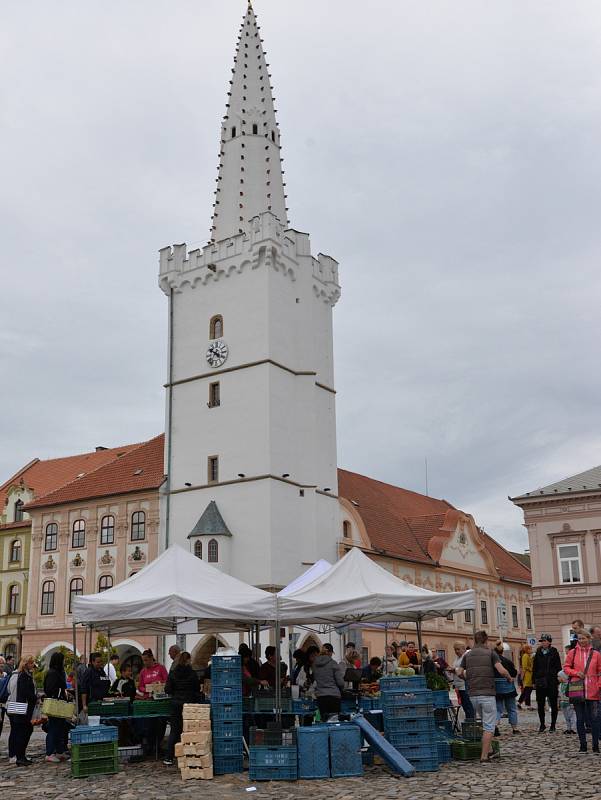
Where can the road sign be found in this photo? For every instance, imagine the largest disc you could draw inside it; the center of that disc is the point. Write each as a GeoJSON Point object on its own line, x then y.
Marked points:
{"type": "Point", "coordinates": [531, 641]}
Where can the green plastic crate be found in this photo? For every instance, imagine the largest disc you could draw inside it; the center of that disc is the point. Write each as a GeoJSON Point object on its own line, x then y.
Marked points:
{"type": "Point", "coordinates": [87, 752]}
{"type": "Point", "coordinates": [109, 708]}
{"type": "Point", "coordinates": [470, 751]}
{"type": "Point", "coordinates": [142, 707]}
{"type": "Point", "coordinates": [99, 766]}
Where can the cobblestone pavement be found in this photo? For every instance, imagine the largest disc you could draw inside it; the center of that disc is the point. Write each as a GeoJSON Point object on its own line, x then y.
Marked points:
{"type": "Point", "coordinates": [532, 766]}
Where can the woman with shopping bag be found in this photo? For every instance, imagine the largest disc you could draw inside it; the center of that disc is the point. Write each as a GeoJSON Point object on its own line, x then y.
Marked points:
{"type": "Point", "coordinates": [583, 667]}
{"type": "Point", "coordinates": [20, 707]}
{"type": "Point", "coordinates": [55, 690]}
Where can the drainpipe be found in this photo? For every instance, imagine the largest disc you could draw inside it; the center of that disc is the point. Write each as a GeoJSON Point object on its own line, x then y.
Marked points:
{"type": "Point", "coordinates": [169, 422]}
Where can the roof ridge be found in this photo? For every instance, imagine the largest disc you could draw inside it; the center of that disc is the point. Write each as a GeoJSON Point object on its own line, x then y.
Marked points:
{"type": "Point", "coordinates": [132, 449]}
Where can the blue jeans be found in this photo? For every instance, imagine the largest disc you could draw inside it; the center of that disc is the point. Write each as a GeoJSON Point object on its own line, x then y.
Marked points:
{"type": "Point", "coordinates": [56, 738]}
{"type": "Point", "coordinates": [466, 704]}
{"type": "Point", "coordinates": [506, 702]}
{"type": "Point", "coordinates": [587, 715]}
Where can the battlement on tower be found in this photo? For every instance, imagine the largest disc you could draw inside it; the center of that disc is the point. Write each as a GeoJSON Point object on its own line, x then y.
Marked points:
{"type": "Point", "coordinates": [264, 241]}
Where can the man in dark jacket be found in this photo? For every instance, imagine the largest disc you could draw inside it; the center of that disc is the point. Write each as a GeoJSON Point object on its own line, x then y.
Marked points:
{"type": "Point", "coordinates": [96, 684]}
{"type": "Point", "coordinates": [546, 664]}
{"type": "Point", "coordinates": [183, 685]}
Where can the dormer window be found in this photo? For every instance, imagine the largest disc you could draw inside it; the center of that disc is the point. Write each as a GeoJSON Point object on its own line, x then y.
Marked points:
{"type": "Point", "coordinates": [19, 511]}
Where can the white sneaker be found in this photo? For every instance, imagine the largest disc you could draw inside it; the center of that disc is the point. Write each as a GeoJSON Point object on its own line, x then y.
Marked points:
{"type": "Point", "coordinates": [12, 760]}
{"type": "Point", "coordinates": [53, 759]}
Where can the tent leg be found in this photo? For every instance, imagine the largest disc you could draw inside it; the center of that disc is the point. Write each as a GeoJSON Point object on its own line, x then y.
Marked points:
{"type": "Point", "coordinates": [278, 667]}
{"type": "Point", "coordinates": [76, 662]}
{"type": "Point", "coordinates": [418, 626]}
{"type": "Point", "coordinates": [385, 649]}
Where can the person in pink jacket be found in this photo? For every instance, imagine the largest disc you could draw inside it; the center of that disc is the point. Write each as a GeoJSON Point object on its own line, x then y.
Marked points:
{"type": "Point", "coordinates": [584, 664]}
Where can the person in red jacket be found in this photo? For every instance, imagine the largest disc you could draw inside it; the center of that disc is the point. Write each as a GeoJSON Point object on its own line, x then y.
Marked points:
{"type": "Point", "coordinates": [583, 663]}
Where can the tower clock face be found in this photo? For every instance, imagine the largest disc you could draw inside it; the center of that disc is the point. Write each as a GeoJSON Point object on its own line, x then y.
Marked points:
{"type": "Point", "coordinates": [217, 353]}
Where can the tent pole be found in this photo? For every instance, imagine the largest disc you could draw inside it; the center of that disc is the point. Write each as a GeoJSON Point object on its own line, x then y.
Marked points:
{"type": "Point", "coordinates": [385, 648]}
{"type": "Point", "coordinates": [278, 670]}
{"type": "Point", "coordinates": [418, 625]}
{"type": "Point", "coordinates": [76, 664]}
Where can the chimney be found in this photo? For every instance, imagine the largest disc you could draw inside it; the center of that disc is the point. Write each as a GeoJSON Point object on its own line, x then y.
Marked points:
{"type": "Point", "coordinates": [100, 448]}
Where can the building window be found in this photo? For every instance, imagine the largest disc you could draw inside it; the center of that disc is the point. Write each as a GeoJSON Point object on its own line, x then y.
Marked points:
{"type": "Point", "coordinates": [233, 131]}
{"type": "Point", "coordinates": [442, 654]}
{"type": "Point", "coordinates": [213, 469]}
{"type": "Point", "coordinates": [346, 529]}
{"type": "Point", "coordinates": [107, 530]}
{"type": "Point", "coordinates": [15, 551]}
{"type": "Point", "coordinates": [467, 615]}
{"type": "Point", "coordinates": [514, 617]}
{"type": "Point", "coordinates": [198, 548]}
{"type": "Point", "coordinates": [450, 617]}
{"type": "Point", "coordinates": [51, 539]}
{"type": "Point", "coordinates": [484, 612]}
{"type": "Point", "coordinates": [18, 516]}
{"type": "Point", "coordinates": [216, 327]}
{"type": "Point", "coordinates": [75, 589]}
{"type": "Point", "coordinates": [10, 650]}
{"type": "Point", "coordinates": [105, 582]}
{"type": "Point", "coordinates": [138, 526]}
{"type": "Point", "coordinates": [273, 136]}
{"type": "Point", "coordinates": [255, 128]}
{"type": "Point", "coordinates": [78, 536]}
{"type": "Point", "coordinates": [214, 395]}
{"type": "Point", "coordinates": [528, 619]}
{"type": "Point", "coordinates": [365, 655]}
{"type": "Point", "coordinates": [570, 568]}
{"type": "Point", "coordinates": [213, 552]}
{"type": "Point", "coordinates": [47, 598]}
{"type": "Point", "coordinates": [14, 595]}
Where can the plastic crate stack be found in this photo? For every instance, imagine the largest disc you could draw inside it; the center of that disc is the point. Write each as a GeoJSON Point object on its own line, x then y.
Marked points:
{"type": "Point", "coordinates": [226, 713]}
{"type": "Point", "coordinates": [112, 709]}
{"type": "Point", "coordinates": [94, 750]}
{"type": "Point", "coordinates": [273, 754]}
{"type": "Point", "coordinates": [193, 752]}
{"type": "Point", "coordinates": [409, 726]}
{"type": "Point", "coordinates": [329, 751]}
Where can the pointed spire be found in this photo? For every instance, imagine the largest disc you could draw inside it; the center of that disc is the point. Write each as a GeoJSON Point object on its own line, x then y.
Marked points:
{"type": "Point", "coordinates": [250, 178]}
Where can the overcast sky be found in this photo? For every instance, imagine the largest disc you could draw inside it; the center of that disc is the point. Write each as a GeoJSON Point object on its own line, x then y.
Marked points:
{"type": "Point", "coordinates": [446, 153]}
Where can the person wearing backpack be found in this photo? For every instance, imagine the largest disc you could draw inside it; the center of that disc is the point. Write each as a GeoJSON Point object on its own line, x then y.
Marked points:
{"type": "Point", "coordinates": [4, 680]}
{"type": "Point", "coordinates": [583, 668]}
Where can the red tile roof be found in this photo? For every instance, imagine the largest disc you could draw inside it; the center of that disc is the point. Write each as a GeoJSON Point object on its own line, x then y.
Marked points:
{"type": "Point", "coordinates": [139, 469]}
{"type": "Point", "coordinates": [50, 474]}
{"type": "Point", "coordinates": [403, 523]}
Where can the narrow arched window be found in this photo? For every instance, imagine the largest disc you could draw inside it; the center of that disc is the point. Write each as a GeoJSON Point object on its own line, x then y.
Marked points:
{"type": "Point", "coordinates": [346, 529]}
{"type": "Point", "coordinates": [51, 538]}
{"type": "Point", "coordinates": [107, 530]}
{"type": "Point", "coordinates": [47, 598]}
{"type": "Point", "coordinates": [15, 550]}
{"type": "Point", "coordinates": [233, 131]}
{"type": "Point", "coordinates": [14, 596]}
{"type": "Point", "coordinates": [105, 582]}
{"type": "Point", "coordinates": [78, 536]}
{"type": "Point", "coordinates": [198, 548]}
{"type": "Point", "coordinates": [213, 552]}
{"type": "Point", "coordinates": [255, 128]}
{"type": "Point", "coordinates": [18, 511]}
{"type": "Point", "coordinates": [138, 526]}
{"type": "Point", "coordinates": [216, 327]}
{"type": "Point", "coordinates": [75, 589]}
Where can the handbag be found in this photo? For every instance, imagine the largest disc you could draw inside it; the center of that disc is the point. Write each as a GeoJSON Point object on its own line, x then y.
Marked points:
{"type": "Point", "coordinates": [63, 709]}
{"type": "Point", "coordinates": [19, 709]}
{"type": "Point", "coordinates": [576, 687]}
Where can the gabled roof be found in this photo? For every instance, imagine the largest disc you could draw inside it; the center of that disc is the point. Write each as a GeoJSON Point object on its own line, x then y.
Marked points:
{"type": "Point", "coordinates": [402, 523]}
{"type": "Point", "coordinates": [45, 476]}
{"type": "Point", "coordinates": [140, 468]}
{"type": "Point", "coordinates": [588, 481]}
{"type": "Point", "coordinates": [211, 523]}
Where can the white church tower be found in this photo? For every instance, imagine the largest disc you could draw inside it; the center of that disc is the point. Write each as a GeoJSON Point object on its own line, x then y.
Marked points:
{"type": "Point", "coordinates": [251, 427]}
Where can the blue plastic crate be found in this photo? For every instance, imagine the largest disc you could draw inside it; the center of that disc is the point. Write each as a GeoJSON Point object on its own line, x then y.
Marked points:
{"type": "Point", "coordinates": [420, 753]}
{"type": "Point", "coordinates": [397, 697]}
{"type": "Point", "coordinates": [227, 729]}
{"type": "Point", "coordinates": [257, 773]}
{"type": "Point", "coordinates": [222, 712]}
{"type": "Point", "coordinates": [226, 671]}
{"type": "Point", "coordinates": [348, 706]}
{"type": "Point", "coordinates": [90, 734]}
{"type": "Point", "coordinates": [226, 765]}
{"type": "Point", "coordinates": [228, 747]}
{"type": "Point", "coordinates": [313, 751]}
{"type": "Point", "coordinates": [445, 726]}
{"type": "Point", "coordinates": [408, 712]}
{"type": "Point", "coordinates": [440, 698]}
{"type": "Point", "coordinates": [444, 752]}
{"type": "Point", "coordinates": [225, 662]}
{"type": "Point", "coordinates": [404, 682]}
{"type": "Point", "coordinates": [226, 694]}
{"type": "Point", "coordinates": [367, 757]}
{"type": "Point", "coordinates": [345, 751]}
{"type": "Point", "coordinates": [410, 726]}
{"type": "Point", "coordinates": [277, 756]}
{"type": "Point", "coordinates": [425, 764]}
{"type": "Point", "coordinates": [400, 740]}
{"type": "Point", "coordinates": [303, 705]}
{"type": "Point", "coordinates": [370, 703]}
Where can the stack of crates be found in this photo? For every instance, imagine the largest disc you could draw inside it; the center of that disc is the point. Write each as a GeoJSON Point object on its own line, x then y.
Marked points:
{"type": "Point", "coordinates": [94, 750]}
{"type": "Point", "coordinates": [330, 751]}
{"type": "Point", "coordinates": [345, 751]}
{"type": "Point", "coordinates": [226, 713]}
{"type": "Point", "coordinates": [273, 754]}
{"type": "Point", "coordinates": [409, 724]}
{"type": "Point", "coordinates": [194, 756]}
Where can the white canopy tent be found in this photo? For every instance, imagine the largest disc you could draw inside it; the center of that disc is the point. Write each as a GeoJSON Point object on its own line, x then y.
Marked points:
{"type": "Point", "coordinates": [175, 587]}
{"type": "Point", "coordinates": [356, 589]}
{"type": "Point", "coordinates": [315, 571]}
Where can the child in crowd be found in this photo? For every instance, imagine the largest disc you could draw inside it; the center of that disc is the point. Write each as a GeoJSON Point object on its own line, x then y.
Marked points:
{"type": "Point", "coordinates": [569, 714]}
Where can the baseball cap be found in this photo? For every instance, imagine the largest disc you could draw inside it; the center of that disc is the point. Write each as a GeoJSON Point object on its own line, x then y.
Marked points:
{"type": "Point", "coordinates": [545, 637]}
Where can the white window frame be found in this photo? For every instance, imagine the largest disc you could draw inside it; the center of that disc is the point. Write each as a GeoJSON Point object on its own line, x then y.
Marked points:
{"type": "Point", "coordinates": [569, 560]}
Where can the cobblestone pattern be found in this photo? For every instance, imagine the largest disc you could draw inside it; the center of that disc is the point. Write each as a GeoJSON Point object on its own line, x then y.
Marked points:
{"type": "Point", "coordinates": [532, 766]}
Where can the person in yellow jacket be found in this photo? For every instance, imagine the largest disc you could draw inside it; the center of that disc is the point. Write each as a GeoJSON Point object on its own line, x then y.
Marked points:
{"type": "Point", "coordinates": [526, 676]}
{"type": "Point", "coordinates": [409, 657]}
